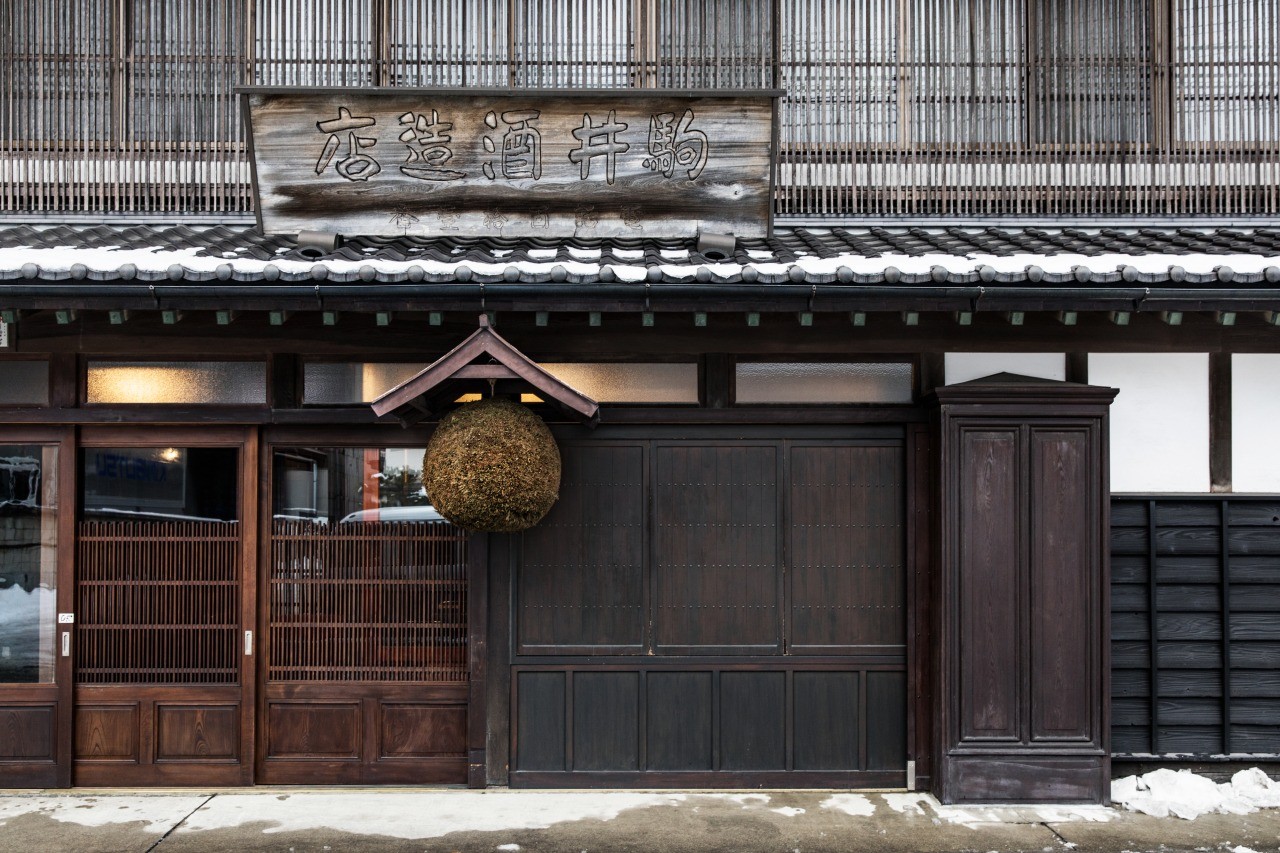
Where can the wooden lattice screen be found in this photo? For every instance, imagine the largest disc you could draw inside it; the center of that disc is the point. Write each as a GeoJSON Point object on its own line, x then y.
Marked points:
{"type": "Point", "coordinates": [368, 601]}
{"type": "Point", "coordinates": [158, 602]}
{"type": "Point", "coordinates": [930, 108]}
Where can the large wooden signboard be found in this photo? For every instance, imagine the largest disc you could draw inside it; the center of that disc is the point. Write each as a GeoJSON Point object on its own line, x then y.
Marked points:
{"type": "Point", "coordinates": [431, 162]}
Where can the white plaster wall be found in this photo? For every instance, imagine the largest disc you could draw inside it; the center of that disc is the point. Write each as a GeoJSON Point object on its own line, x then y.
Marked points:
{"type": "Point", "coordinates": [963, 366]}
{"type": "Point", "coordinates": [1255, 423]}
{"type": "Point", "coordinates": [1159, 421]}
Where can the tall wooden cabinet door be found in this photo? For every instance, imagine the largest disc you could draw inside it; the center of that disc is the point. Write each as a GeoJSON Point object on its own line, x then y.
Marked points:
{"type": "Point", "coordinates": [1064, 584]}
{"type": "Point", "coordinates": [165, 602]}
{"type": "Point", "coordinates": [989, 584]}
{"type": "Point", "coordinates": [36, 532]}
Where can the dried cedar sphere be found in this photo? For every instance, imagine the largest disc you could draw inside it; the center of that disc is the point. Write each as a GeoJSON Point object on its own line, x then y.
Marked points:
{"type": "Point", "coordinates": [492, 466]}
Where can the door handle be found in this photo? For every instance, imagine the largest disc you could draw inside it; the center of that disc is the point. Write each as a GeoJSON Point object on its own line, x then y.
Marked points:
{"type": "Point", "coordinates": [248, 643]}
{"type": "Point", "coordinates": [66, 644]}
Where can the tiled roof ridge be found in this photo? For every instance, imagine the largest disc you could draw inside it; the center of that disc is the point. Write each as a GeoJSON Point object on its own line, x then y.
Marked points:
{"type": "Point", "coordinates": [1183, 255]}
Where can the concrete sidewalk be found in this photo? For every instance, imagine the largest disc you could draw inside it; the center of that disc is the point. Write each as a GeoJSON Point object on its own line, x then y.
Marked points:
{"type": "Point", "coordinates": [502, 821]}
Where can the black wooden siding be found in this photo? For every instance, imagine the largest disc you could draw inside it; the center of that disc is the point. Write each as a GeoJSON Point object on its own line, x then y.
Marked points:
{"type": "Point", "coordinates": [1197, 675]}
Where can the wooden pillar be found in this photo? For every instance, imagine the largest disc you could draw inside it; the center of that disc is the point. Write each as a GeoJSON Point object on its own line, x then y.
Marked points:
{"type": "Point", "coordinates": [1022, 592]}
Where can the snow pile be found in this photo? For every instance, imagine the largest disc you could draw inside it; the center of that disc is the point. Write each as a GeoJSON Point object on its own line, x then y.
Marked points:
{"type": "Point", "coordinates": [1187, 795]}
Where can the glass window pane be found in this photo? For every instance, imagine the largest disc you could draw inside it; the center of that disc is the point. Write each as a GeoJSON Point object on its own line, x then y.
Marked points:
{"type": "Point", "coordinates": [630, 383]}
{"type": "Point", "coordinates": [352, 382]}
{"type": "Point", "coordinates": [823, 382]}
{"type": "Point", "coordinates": [339, 485]}
{"type": "Point", "coordinates": [198, 382]}
{"type": "Point", "coordinates": [160, 483]}
{"type": "Point", "coordinates": [28, 562]}
{"type": "Point", "coordinates": [24, 383]}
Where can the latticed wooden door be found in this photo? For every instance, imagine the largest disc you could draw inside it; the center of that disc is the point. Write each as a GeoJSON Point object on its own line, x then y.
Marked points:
{"type": "Point", "coordinates": [365, 676]}
{"type": "Point", "coordinates": [164, 606]}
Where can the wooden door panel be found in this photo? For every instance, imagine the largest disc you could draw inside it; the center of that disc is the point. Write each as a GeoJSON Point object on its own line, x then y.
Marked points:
{"type": "Point", "coordinates": [581, 580]}
{"type": "Point", "coordinates": [422, 731]}
{"type": "Point", "coordinates": [989, 585]}
{"type": "Point", "coordinates": [108, 732]}
{"type": "Point", "coordinates": [847, 550]}
{"type": "Point", "coordinates": [791, 724]}
{"type": "Point", "coordinates": [313, 730]}
{"type": "Point", "coordinates": [197, 732]}
{"type": "Point", "coordinates": [28, 733]}
{"type": "Point", "coordinates": [1064, 577]}
{"type": "Point", "coordinates": [717, 549]}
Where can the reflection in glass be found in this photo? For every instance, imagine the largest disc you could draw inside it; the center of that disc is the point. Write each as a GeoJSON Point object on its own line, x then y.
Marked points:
{"type": "Point", "coordinates": [28, 562]}
{"type": "Point", "coordinates": [630, 383]}
{"type": "Point", "coordinates": [332, 485]}
{"type": "Point", "coordinates": [159, 483]}
{"type": "Point", "coordinates": [198, 382]}
{"type": "Point", "coordinates": [823, 382]}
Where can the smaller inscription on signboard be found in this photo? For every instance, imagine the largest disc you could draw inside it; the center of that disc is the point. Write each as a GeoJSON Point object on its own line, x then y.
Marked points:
{"type": "Point", "coordinates": [425, 162]}
{"type": "Point", "coordinates": [4, 335]}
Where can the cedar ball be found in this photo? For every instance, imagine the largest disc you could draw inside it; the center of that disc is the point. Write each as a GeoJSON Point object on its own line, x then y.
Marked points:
{"type": "Point", "coordinates": [492, 466]}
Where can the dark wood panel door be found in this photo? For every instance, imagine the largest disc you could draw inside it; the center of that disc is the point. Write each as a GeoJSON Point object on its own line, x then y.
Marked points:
{"type": "Point", "coordinates": [715, 611]}
{"type": "Point", "coordinates": [36, 535]}
{"type": "Point", "coordinates": [165, 603]}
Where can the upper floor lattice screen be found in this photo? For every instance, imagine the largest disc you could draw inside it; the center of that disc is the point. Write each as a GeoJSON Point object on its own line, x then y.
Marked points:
{"type": "Point", "coordinates": [947, 108]}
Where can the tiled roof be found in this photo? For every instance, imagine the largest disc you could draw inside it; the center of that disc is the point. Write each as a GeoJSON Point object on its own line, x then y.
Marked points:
{"type": "Point", "coordinates": [900, 256]}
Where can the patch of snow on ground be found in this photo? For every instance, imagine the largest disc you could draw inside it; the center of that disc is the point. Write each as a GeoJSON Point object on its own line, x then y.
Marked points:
{"type": "Point", "coordinates": [857, 805]}
{"type": "Point", "coordinates": [508, 847]}
{"type": "Point", "coordinates": [1188, 795]}
{"type": "Point", "coordinates": [419, 815]}
{"type": "Point", "coordinates": [907, 803]}
{"type": "Point", "coordinates": [788, 811]}
{"type": "Point", "coordinates": [159, 813]}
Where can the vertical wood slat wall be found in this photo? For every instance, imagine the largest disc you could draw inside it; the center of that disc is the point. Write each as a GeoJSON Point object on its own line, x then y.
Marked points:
{"type": "Point", "coordinates": [894, 107]}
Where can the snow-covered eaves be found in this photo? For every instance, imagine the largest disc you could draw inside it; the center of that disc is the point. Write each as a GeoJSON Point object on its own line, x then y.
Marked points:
{"type": "Point", "coordinates": [896, 257]}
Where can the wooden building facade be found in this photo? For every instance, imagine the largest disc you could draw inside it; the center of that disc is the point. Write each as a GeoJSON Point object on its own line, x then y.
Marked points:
{"type": "Point", "coordinates": [857, 509]}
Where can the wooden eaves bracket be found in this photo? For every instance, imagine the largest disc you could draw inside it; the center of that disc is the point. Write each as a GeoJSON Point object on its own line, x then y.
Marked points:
{"type": "Point", "coordinates": [481, 362]}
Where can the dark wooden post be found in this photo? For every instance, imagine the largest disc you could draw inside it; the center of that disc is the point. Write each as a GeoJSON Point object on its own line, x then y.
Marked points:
{"type": "Point", "coordinates": [1022, 592]}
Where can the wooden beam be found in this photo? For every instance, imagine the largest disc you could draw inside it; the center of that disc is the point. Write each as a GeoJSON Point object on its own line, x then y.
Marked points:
{"type": "Point", "coordinates": [1220, 421]}
{"type": "Point", "coordinates": [485, 371]}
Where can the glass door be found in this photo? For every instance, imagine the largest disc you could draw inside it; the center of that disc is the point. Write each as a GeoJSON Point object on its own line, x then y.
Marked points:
{"type": "Point", "coordinates": [35, 612]}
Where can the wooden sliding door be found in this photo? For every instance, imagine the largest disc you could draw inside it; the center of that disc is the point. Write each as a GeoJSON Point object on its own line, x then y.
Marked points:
{"type": "Point", "coordinates": [36, 529]}
{"type": "Point", "coordinates": [164, 598]}
{"type": "Point", "coordinates": [365, 677]}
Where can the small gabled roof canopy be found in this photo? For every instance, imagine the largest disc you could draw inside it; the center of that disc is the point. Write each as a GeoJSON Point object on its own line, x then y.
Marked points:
{"type": "Point", "coordinates": [485, 361]}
